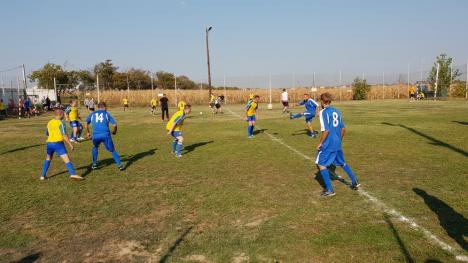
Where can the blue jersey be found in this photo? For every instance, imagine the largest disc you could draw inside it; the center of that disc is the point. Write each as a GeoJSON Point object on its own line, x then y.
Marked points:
{"type": "Point", "coordinates": [332, 122]}
{"type": "Point", "coordinates": [100, 120]}
{"type": "Point", "coordinates": [310, 105]}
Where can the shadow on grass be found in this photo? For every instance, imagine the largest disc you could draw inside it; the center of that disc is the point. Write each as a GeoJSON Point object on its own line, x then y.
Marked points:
{"type": "Point", "coordinates": [192, 147]}
{"type": "Point", "coordinates": [300, 132]}
{"type": "Point", "coordinates": [454, 223]}
{"type": "Point", "coordinates": [128, 160]}
{"type": "Point", "coordinates": [256, 132]}
{"type": "Point", "coordinates": [461, 122]}
{"type": "Point", "coordinates": [433, 140]}
{"type": "Point", "coordinates": [174, 246]}
{"type": "Point", "coordinates": [30, 258]}
{"type": "Point", "coordinates": [22, 148]}
{"type": "Point", "coordinates": [402, 246]}
{"type": "Point", "coordinates": [333, 177]}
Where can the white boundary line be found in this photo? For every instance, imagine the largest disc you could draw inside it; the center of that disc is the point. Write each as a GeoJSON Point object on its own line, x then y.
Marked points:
{"type": "Point", "coordinates": [382, 206]}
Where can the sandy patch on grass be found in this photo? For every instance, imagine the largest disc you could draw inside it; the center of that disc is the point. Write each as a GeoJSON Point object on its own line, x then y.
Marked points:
{"type": "Point", "coordinates": [197, 258]}
{"type": "Point", "coordinates": [240, 258]}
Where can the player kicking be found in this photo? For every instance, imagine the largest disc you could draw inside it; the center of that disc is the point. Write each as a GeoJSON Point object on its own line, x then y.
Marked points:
{"type": "Point", "coordinates": [100, 120]}
{"type": "Point", "coordinates": [174, 128]}
{"type": "Point", "coordinates": [250, 112]}
{"type": "Point", "coordinates": [57, 134]}
{"type": "Point", "coordinates": [75, 125]}
{"type": "Point", "coordinates": [311, 109]}
{"type": "Point", "coordinates": [329, 148]}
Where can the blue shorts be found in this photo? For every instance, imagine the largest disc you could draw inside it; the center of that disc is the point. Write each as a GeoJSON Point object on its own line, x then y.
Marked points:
{"type": "Point", "coordinates": [327, 158]}
{"type": "Point", "coordinates": [176, 134]}
{"type": "Point", "coordinates": [58, 147]}
{"type": "Point", "coordinates": [251, 118]}
{"type": "Point", "coordinates": [74, 124]}
{"type": "Point", "coordinates": [104, 138]}
{"type": "Point", "coordinates": [308, 116]}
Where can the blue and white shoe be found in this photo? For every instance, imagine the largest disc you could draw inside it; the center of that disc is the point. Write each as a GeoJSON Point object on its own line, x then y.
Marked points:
{"type": "Point", "coordinates": [327, 194]}
{"type": "Point", "coordinates": [178, 155]}
{"type": "Point", "coordinates": [250, 136]}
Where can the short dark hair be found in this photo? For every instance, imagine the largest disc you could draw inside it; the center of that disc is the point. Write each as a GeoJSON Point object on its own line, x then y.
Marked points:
{"type": "Point", "coordinates": [101, 105]}
{"type": "Point", "coordinates": [256, 96]}
{"type": "Point", "coordinates": [326, 98]}
{"type": "Point", "coordinates": [284, 89]}
{"type": "Point", "coordinates": [188, 105]}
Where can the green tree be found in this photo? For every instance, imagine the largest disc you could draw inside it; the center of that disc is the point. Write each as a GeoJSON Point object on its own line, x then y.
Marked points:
{"type": "Point", "coordinates": [445, 76]}
{"type": "Point", "coordinates": [106, 71]}
{"type": "Point", "coordinates": [458, 89]}
{"type": "Point", "coordinates": [360, 89]}
{"type": "Point", "coordinates": [45, 76]}
{"type": "Point", "coordinates": [164, 80]}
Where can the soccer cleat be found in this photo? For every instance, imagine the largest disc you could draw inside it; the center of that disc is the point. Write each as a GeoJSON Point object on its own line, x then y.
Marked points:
{"type": "Point", "coordinates": [327, 194]}
{"type": "Point", "coordinates": [72, 140]}
{"type": "Point", "coordinates": [94, 166]}
{"type": "Point", "coordinates": [355, 186]}
{"type": "Point", "coordinates": [250, 136]}
{"type": "Point", "coordinates": [178, 155]}
{"type": "Point", "coordinates": [43, 178]}
{"type": "Point", "coordinates": [121, 168]}
{"type": "Point", "coordinates": [80, 139]}
{"type": "Point", "coordinates": [290, 116]}
{"type": "Point", "coordinates": [76, 177]}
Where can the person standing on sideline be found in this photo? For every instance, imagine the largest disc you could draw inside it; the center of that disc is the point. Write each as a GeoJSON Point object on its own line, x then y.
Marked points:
{"type": "Point", "coordinates": [329, 148]}
{"type": "Point", "coordinates": [164, 106]}
{"type": "Point", "coordinates": [285, 101]}
{"type": "Point", "coordinates": [125, 103]}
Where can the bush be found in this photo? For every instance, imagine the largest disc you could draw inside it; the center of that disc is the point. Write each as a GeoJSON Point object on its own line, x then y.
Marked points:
{"type": "Point", "coordinates": [458, 89]}
{"type": "Point", "coordinates": [360, 89]}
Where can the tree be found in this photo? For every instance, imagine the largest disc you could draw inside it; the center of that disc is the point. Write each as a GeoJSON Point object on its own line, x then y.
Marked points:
{"type": "Point", "coordinates": [105, 70]}
{"type": "Point", "coordinates": [458, 89]}
{"type": "Point", "coordinates": [45, 76]}
{"type": "Point", "coordinates": [360, 89]}
{"type": "Point", "coordinates": [445, 76]}
{"type": "Point", "coordinates": [164, 80]}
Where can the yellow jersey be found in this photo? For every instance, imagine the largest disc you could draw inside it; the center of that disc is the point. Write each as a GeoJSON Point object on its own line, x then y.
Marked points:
{"type": "Point", "coordinates": [73, 115]}
{"type": "Point", "coordinates": [181, 105]}
{"type": "Point", "coordinates": [212, 99]}
{"type": "Point", "coordinates": [125, 101]}
{"type": "Point", "coordinates": [55, 131]}
{"type": "Point", "coordinates": [178, 119]}
{"type": "Point", "coordinates": [154, 103]}
{"type": "Point", "coordinates": [251, 108]}
{"type": "Point", "coordinates": [2, 106]}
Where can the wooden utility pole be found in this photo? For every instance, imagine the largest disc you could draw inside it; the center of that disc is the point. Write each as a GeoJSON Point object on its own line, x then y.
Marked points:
{"type": "Point", "coordinates": [208, 59]}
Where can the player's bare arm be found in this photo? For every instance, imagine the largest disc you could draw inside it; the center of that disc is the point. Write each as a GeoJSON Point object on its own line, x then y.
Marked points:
{"type": "Point", "coordinates": [67, 140]}
{"type": "Point", "coordinates": [322, 139]}
{"type": "Point", "coordinates": [343, 131]}
{"type": "Point", "coordinates": [114, 129]}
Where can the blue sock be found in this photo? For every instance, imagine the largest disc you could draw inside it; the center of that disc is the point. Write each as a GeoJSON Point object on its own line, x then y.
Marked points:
{"type": "Point", "coordinates": [95, 155]}
{"type": "Point", "coordinates": [70, 168]}
{"type": "Point", "coordinates": [251, 130]}
{"type": "Point", "coordinates": [174, 145]}
{"type": "Point", "coordinates": [45, 167]}
{"type": "Point", "coordinates": [116, 157]}
{"type": "Point", "coordinates": [297, 115]}
{"type": "Point", "coordinates": [248, 130]}
{"type": "Point", "coordinates": [179, 148]}
{"type": "Point", "coordinates": [350, 173]}
{"type": "Point", "coordinates": [326, 179]}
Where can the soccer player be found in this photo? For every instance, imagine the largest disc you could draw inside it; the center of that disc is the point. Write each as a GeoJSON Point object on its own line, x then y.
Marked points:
{"type": "Point", "coordinates": [329, 148]}
{"type": "Point", "coordinates": [154, 104]}
{"type": "Point", "coordinates": [164, 107]}
{"type": "Point", "coordinates": [311, 109]}
{"type": "Point", "coordinates": [212, 103]}
{"type": "Point", "coordinates": [250, 112]}
{"type": "Point", "coordinates": [125, 103]}
{"type": "Point", "coordinates": [181, 105]}
{"type": "Point", "coordinates": [285, 100]}
{"type": "Point", "coordinates": [100, 120]}
{"type": "Point", "coordinates": [57, 134]}
{"type": "Point", "coordinates": [174, 128]}
{"type": "Point", "coordinates": [74, 118]}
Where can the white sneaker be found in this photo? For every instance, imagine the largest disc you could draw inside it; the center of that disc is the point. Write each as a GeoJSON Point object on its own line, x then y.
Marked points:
{"type": "Point", "coordinates": [76, 177]}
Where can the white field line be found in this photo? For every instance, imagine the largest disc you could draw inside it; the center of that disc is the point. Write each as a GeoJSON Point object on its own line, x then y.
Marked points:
{"type": "Point", "coordinates": [382, 206]}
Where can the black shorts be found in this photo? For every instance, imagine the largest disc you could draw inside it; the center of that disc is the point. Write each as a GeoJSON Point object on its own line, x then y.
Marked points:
{"type": "Point", "coordinates": [153, 107]}
{"type": "Point", "coordinates": [285, 103]}
{"type": "Point", "coordinates": [212, 105]}
{"type": "Point", "coordinates": [218, 106]}
{"type": "Point", "coordinates": [126, 105]}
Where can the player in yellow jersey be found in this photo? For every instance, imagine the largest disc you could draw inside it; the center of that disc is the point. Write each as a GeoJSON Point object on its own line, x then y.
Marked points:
{"type": "Point", "coordinates": [174, 128]}
{"type": "Point", "coordinates": [154, 104]}
{"type": "Point", "coordinates": [57, 135]}
{"type": "Point", "coordinates": [212, 103]}
{"type": "Point", "coordinates": [181, 105]}
{"type": "Point", "coordinates": [250, 112]}
{"type": "Point", "coordinates": [74, 118]}
{"type": "Point", "coordinates": [125, 103]}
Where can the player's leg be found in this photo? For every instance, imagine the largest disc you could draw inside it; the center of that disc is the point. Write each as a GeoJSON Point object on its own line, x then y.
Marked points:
{"type": "Point", "coordinates": [341, 162]}
{"type": "Point", "coordinates": [46, 164]}
{"type": "Point", "coordinates": [174, 145]}
{"type": "Point", "coordinates": [323, 160]}
{"type": "Point", "coordinates": [62, 151]}
{"type": "Point", "coordinates": [95, 151]}
{"type": "Point", "coordinates": [109, 144]}
{"type": "Point", "coordinates": [180, 140]}
{"type": "Point", "coordinates": [296, 115]}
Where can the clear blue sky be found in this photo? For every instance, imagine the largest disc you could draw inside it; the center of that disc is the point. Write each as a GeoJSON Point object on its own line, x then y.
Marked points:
{"type": "Point", "coordinates": [249, 37]}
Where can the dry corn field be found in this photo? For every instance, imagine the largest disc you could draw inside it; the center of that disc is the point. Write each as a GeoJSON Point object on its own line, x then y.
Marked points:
{"type": "Point", "coordinates": [198, 97]}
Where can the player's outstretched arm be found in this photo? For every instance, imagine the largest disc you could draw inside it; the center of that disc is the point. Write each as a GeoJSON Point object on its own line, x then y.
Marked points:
{"type": "Point", "coordinates": [67, 140]}
{"type": "Point", "coordinates": [114, 129]}
{"type": "Point", "coordinates": [322, 139]}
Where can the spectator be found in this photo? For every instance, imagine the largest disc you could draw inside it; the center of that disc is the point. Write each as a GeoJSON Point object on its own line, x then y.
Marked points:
{"type": "Point", "coordinates": [2, 109]}
{"type": "Point", "coordinates": [47, 104]}
{"type": "Point", "coordinates": [27, 107]}
{"type": "Point", "coordinates": [164, 106]}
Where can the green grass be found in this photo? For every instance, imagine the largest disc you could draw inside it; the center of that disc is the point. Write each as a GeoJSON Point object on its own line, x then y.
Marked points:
{"type": "Point", "coordinates": [230, 198]}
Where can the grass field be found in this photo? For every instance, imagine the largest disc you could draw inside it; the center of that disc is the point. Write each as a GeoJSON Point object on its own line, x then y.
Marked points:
{"type": "Point", "coordinates": [231, 199]}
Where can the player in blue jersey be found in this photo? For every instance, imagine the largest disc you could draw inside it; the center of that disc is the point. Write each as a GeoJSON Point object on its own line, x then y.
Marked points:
{"type": "Point", "coordinates": [329, 148]}
{"type": "Point", "coordinates": [310, 112]}
{"type": "Point", "coordinates": [100, 120]}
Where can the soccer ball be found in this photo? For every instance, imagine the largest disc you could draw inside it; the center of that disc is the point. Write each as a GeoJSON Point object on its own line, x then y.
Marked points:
{"type": "Point", "coordinates": [201, 112]}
